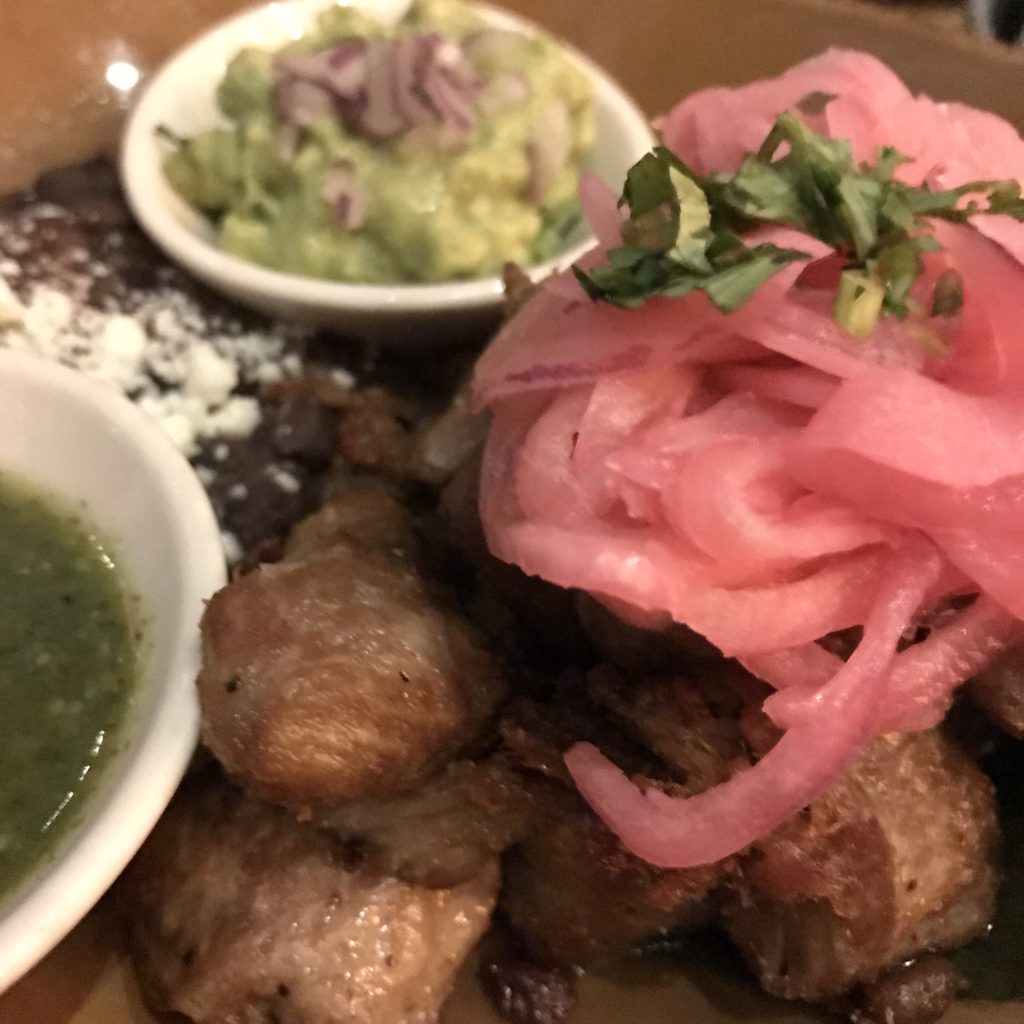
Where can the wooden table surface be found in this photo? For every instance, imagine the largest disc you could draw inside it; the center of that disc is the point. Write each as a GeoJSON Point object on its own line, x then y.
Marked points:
{"type": "Point", "coordinates": [60, 109]}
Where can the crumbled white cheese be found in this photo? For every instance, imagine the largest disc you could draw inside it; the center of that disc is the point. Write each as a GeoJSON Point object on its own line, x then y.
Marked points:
{"type": "Point", "coordinates": [237, 417]}
{"type": "Point", "coordinates": [269, 373]}
{"type": "Point", "coordinates": [177, 426]}
{"type": "Point", "coordinates": [343, 378]}
{"type": "Point", "coordinates": [232, 548]}
{"type": "Point", "coordinates": [282, 479]}
{"type": "Point", "coordinates": [11, 309]}
{"type": "Point", "coordinates": [194, 371]}
{"type": "Point", "coordinates": [210, 376]}
{"type": "Point", "coordinates": [120, 350]}
{"type": "Point", "coordinates": [197, 371]}
{"type": "Point", "coordinates": [47, 317]}
{"type": "Point", "coordinates": [184, 369]}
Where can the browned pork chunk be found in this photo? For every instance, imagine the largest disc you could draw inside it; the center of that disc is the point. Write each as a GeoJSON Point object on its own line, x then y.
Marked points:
{"type": "Point", "coordinates": [692, 727]}
{"type": "Point", "coordinates": [237, 914]}
{"type": "Point", "coordinates": [376, 430]}
{"type": "Point", "coordinates": [445, 830]}
{"type": "Point", "coordinates": [897, 858]}
{"type": "Point", "coordinates": [525, 993]}
{"type": "Point", "coordinates": [572, 892]}
{"type": "Point", "coordinates": [367, 515]}
{"type": "Point", "coordinates": [919, 991]}
{"type": "Point", "coordinates": [575, 896]}
{"type": "Point", "coordinates": [642, 651]}
{"type": "Point", "coordinates": [342, 673]}
{"type": "Point", "coordinates": [999, 689]}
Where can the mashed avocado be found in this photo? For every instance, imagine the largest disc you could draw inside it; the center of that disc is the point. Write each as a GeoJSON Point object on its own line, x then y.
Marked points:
{"type": "Point", "coordinates": [435, 149]}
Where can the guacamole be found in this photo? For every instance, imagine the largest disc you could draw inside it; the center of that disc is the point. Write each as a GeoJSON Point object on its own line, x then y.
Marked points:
{"type": "Point", "coordinates": [67, 672]}
{"type": "Point", "coordinates": [435, 149]}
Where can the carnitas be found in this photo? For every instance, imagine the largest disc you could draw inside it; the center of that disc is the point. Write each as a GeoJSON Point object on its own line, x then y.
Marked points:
{"type": "Point", "coordinates": [408, 758]}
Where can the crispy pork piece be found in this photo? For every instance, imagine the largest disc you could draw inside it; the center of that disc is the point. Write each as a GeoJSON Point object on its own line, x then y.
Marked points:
{"type": "Point", "coordinates": [449, 441]}
{"type": "Point", "coordinates": [536, 733]}
{"type": "Point", "coordinates": [575, 896]}
{"type": "Point", "coordinates": [642, 651]}
{"type": "Point", "coordinates": [897, 858]}
{"type": "Point", "coordinates": [519, 289]}
{"type": "Point", "coordinates": [341, 675]}
{"type": "Point", "coordinates": [999, 689]}
{"type": "Point", "coordinates": [459, 513]}
{"type": "Point", "coordinates": [693, 727]}
{"type": "Point", "coordinates": [444, 831]}
{"type": "Point", "coordinates": [573, 893]}
{"type": "Point", "coordinates": [528, 619]}
{"type": "Point", "coordinates": [525, 993]}
{"type": "Point", "coordinates": [238, 914]}
{"type": "Point", "coordinates": [917, 992]}
{"type": "Point", "coordinates": [376, 430]}
{"type": "Point", "coordinates": [366, 514]}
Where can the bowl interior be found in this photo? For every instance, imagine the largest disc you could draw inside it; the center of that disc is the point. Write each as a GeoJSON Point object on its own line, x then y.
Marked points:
{"type": "Point", "coordinates": [182, 98]}
{"type": "Point", "coordinates": [92, 449]}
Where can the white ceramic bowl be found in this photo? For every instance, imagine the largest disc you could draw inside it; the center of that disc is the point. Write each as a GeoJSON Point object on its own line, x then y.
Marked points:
{"type": "Point", "coordinates": [85, 443]}
{"type": "Point", "coordinates": [181, 96]}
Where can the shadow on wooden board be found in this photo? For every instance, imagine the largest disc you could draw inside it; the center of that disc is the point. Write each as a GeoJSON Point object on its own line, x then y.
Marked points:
{"type": "Point", "coordinates": [88, 981]}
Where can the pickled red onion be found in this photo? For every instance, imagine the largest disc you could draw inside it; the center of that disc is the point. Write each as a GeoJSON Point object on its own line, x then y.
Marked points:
{"type": "Point", "coordinates": [767, 479]}
{"type": "Point", "coordinates": [674, 832]}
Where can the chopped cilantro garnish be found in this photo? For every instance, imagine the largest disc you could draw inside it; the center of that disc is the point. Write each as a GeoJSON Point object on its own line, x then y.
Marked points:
{"type": "Point", "coordinates": [671, 246]}
{"type": "Point", "coordinates": [684, 231]}
{"type": "Point", "coordinates": [859, 302]}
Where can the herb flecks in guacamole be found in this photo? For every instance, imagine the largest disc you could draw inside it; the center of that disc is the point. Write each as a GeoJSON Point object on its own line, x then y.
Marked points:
{"type": "Point", "coordinates": [436, 149]}
{"type": "Point", "coordinates": [67, 668]}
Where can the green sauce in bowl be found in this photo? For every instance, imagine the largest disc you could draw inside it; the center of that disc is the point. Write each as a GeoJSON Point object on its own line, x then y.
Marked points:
{"type": "Point", "coordinates": [68, 664]}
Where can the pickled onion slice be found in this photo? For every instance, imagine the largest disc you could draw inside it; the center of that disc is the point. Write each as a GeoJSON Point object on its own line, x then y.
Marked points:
{"type": "Point", "coordinates": [674, 832]}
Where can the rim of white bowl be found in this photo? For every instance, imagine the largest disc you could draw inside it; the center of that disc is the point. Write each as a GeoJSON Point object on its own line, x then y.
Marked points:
{"type": "Point", "coordinates": [142, 176]}
{"type": "Point", "coordinates": [100, 847]}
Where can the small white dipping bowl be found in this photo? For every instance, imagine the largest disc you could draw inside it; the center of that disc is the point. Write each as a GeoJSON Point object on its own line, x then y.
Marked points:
{"type": "Point", "coordinates": [181, 96]}
{"type": "Point", "coordinates": [92, 449]}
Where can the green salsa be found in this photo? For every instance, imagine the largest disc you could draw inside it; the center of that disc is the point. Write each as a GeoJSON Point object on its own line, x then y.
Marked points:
{"type": "Point", "coordinates": [436, 149]}
{"type": "Point", "coordinates": [67, 671]}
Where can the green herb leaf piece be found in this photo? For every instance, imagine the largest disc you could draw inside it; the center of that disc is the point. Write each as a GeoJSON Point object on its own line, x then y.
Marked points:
{"type": "Point", "coordinates": [859, 302]}
{"type": "Point", "coordinates": [859, 208]}
{"type": "Point", "coordinates": [730, 287]}
{"type": "Point", "coordinates": [692, 221]}
{"type": "Point", "coordinates": [761, 192]}
{"type": "Point", "coordinates": [647, 186]}
{"type": "Point", "coordinates": [685, 231]}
